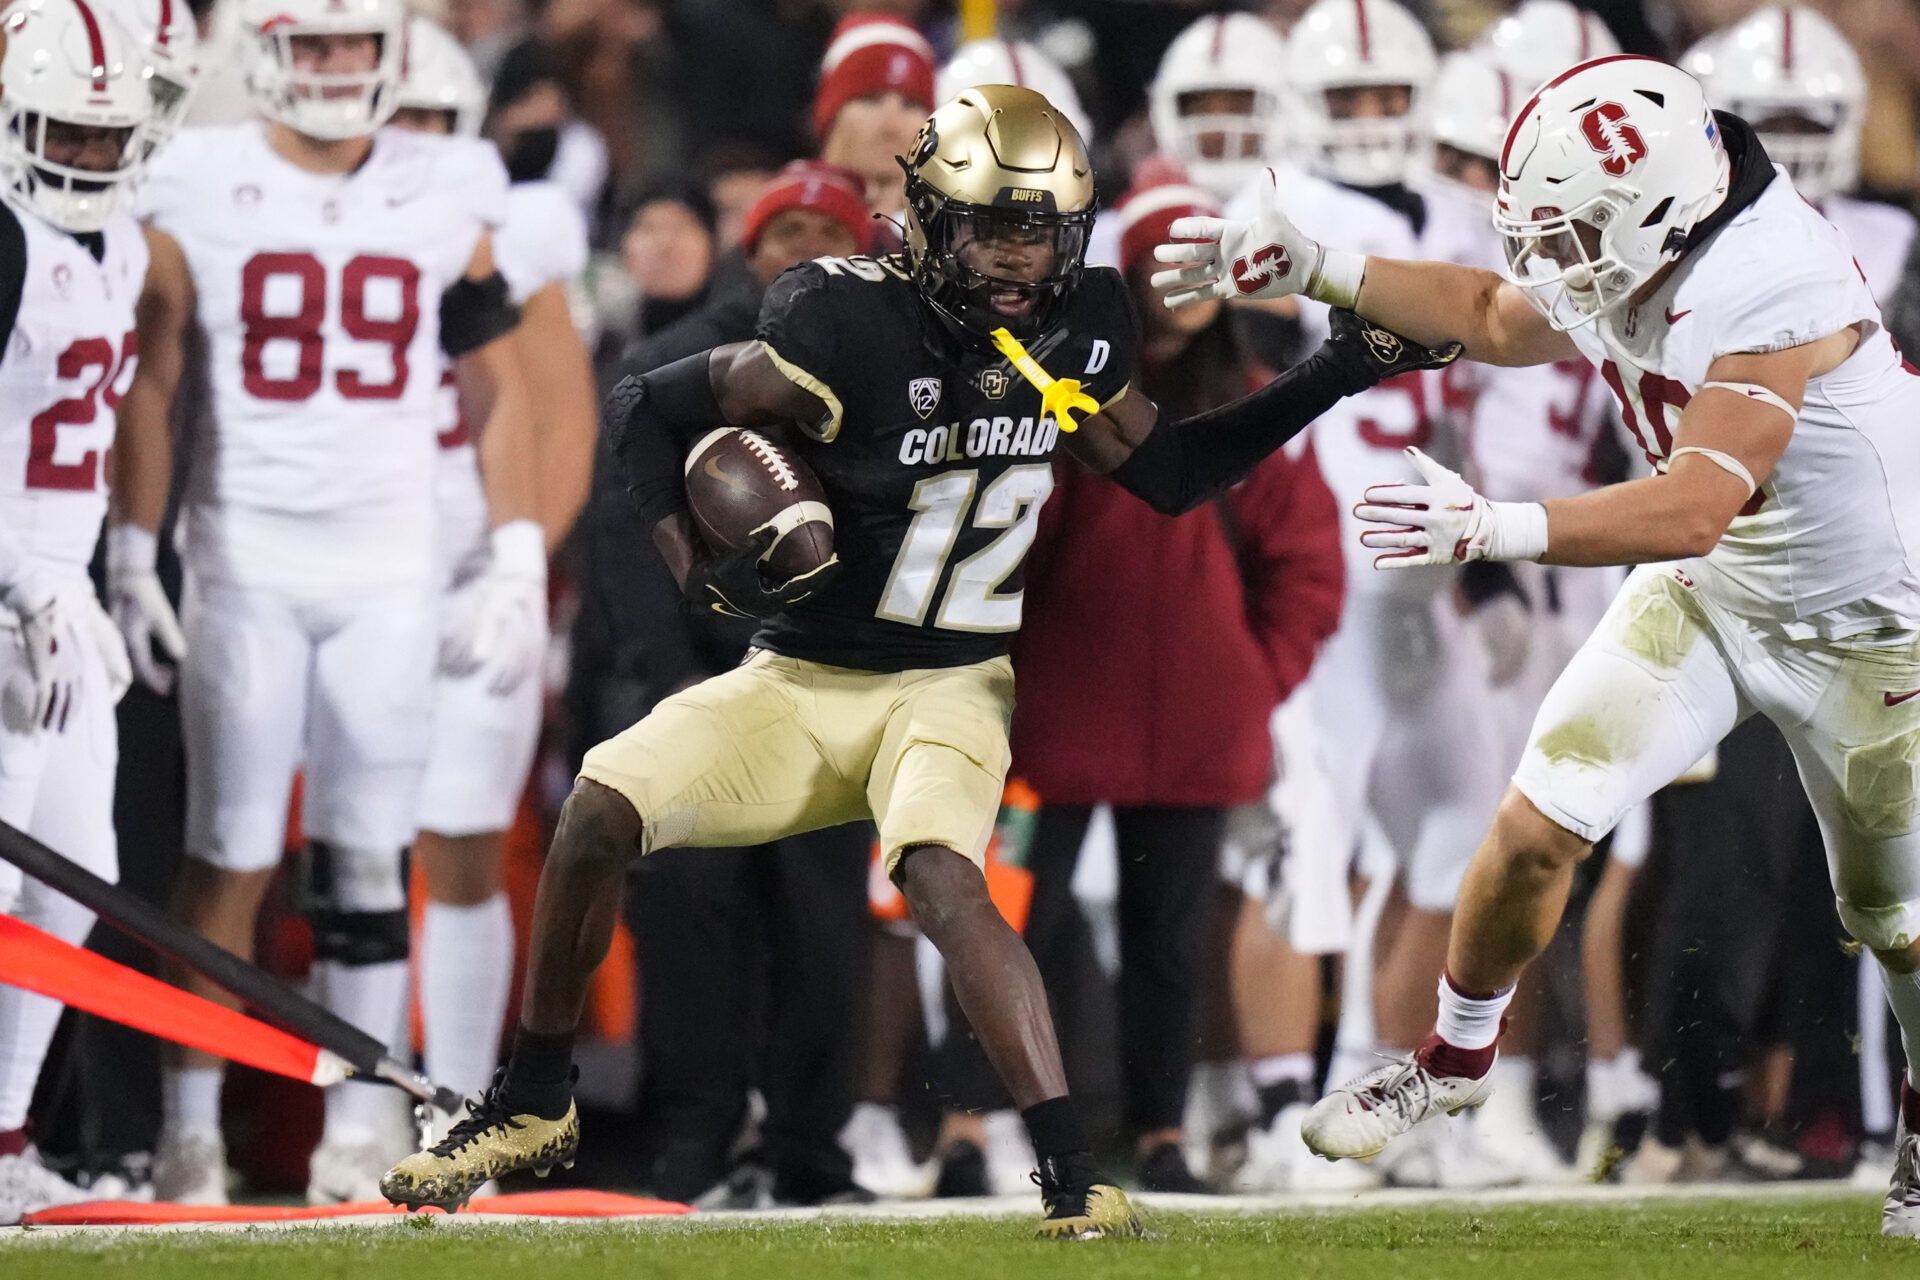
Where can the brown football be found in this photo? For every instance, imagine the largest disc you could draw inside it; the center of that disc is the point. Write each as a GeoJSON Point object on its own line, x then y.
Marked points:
{"type": "Point", "coordinates": [739, 481]}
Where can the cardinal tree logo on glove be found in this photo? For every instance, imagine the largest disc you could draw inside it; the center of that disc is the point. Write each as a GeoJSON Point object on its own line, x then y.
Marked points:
{"type": "Point", "coordinates": [1608, 131]}
{"type": "Point", "coordinates": [1268, 262]}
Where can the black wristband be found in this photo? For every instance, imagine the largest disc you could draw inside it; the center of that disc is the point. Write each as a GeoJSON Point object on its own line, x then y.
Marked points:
{"type": "Point", "coordinates": [653, 419]}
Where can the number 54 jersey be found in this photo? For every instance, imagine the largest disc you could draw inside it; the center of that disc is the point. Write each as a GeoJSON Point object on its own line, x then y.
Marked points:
{"type": "Point", "coordinates": [319, 297]}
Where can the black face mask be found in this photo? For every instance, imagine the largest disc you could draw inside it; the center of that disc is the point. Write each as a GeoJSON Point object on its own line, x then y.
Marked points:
{"type": "Point", "coordinates": [529, 153]}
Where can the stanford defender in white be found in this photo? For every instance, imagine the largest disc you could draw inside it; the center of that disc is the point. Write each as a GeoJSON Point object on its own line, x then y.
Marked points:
{"type": "Point", "coordinates": [330, 264]}
{"type": "Point", "coordinates": [74, 109]}
{"type": "Point", "coordinates": [1778, 543]}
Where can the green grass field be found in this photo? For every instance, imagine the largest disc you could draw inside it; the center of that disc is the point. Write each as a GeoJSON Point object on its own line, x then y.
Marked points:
{"type": "Point", "coordinates": [1724, 1240]}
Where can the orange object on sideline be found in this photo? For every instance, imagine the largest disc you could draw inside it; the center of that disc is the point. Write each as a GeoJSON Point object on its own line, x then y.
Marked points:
{"type": "Point", "coordinates": [551, 1204]}
{"type": "Point", "coordinates": [1009, 883]}
{"type": "Point", "coordinates": [38, 961]}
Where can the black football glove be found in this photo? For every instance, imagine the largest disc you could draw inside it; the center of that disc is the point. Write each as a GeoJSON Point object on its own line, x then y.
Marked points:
{"type": "Point", "coordinates": [1374, 354]}
{"type": "Point", "coordinates": [731, 582]}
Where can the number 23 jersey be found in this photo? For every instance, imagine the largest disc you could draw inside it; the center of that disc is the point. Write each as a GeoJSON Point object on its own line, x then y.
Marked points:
{"type": "Point", "coordinates": [319, 295]}
{"type": "Point", "coordinates": [934, 461]}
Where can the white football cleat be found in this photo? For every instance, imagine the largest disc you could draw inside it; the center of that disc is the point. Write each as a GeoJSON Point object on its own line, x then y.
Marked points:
{"type": "Point", "coordinates": [190, 1167]}
{"type": "Point", "coordinates": [1445, 1155]}
{"type": "Point", "coordinates": [1900, 1215]}
{"type": "Point", "coordinates": [348, 1172]}
{"type": "Point", "coordinates": [27, 1186]}
{"type": "Point", "coordinates": [1277, 1160]}
{"type": "Point", "coordinates": [1508, 1129]}
{"type": "Point", "coordinates": [1358, 1120]}
{"type": "Point", "coordinates": [882, 1161]}
{"type": "Point", "coordinates": [1011, 1162]}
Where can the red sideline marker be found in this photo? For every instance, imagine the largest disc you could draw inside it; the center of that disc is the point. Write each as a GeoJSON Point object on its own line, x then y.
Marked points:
{"type": "Point", "coordinates": [39, 962]}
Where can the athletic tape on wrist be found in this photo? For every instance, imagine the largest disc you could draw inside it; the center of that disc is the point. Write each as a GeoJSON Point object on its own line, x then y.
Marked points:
{"type": "Point", "coordinates": [1336, 281]}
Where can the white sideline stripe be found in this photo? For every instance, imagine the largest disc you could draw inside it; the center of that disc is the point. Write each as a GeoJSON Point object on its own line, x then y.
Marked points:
{"type": "Point", "coordinates": [1029, 1207]}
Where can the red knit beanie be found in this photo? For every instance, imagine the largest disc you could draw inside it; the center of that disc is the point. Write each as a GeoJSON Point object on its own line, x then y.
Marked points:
{"type": "Point", "coordinates": [1148, 212]}
{"type": "Point", "coordinates": [872, 53]}
{"type": "Point", "coordinates": [809, 184]}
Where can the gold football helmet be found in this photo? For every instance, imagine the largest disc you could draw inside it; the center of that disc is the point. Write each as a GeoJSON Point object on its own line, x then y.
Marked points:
{"type": "Point", "coordinates": [999, 203]}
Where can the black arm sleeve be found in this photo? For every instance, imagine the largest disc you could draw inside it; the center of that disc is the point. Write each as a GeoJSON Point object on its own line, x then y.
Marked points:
{"type": "Point", "coordinates": [1182, 464]}
{"type": "Point", "coordinates": [474, 313]}
{"type": "Point", "coordinates": [654, 419]}
{"type": "Point", "coordinates": [13, 271]}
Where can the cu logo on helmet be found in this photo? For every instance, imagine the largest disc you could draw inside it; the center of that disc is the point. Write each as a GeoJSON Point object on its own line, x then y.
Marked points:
{"type": "Point", "coordinates": [1608, 131]}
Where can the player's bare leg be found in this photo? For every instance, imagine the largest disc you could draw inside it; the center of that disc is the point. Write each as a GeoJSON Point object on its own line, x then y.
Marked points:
{"type": "Point", "coordinates": [1510, 904]}
{"type": "Point", "coordinates": [221, 906]}
{"type": "Point", "coordinates": [527, 1120]}
{"type": "Point", "coordinates": [1000, 990]}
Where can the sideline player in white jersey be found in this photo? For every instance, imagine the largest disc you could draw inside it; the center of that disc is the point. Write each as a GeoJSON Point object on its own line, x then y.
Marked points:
{"type": "Point", "coordinates": [329, 263]}
{"type": "Point", "coordinates": [1403, 661]}
{"type": "Point", "coordinates": [73, 109]}
{"type": "Point", "coordinates": [486, 723]}
{"type": "Point", "coordinates": [1778, 543]}
{"type": "Point", "coordinates": [1790, 74]}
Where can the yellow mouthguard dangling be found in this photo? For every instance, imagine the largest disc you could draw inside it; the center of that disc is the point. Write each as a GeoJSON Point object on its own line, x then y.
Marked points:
{"type": "Point", "coordinates": [1061, 397]}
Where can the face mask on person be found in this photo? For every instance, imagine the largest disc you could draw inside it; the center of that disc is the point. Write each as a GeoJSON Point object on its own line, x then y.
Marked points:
{"type": "Point", "coordinates": [529, 154]}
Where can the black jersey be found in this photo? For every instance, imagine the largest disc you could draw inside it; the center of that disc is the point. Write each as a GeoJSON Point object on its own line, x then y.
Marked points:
{"type": "Point", "coordinates": [935, 459]}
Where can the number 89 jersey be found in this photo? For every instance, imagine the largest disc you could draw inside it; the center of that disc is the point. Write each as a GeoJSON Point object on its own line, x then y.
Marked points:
{"type": "Point", "coordinates": [319, 295]}
{"type": "Point", "coordinates": [935, 462]}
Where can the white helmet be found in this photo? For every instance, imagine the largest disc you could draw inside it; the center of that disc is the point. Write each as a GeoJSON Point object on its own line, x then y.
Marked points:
{"type": "Point", "coordinates": [997, 61]}
{"type": "Point", "coordinates": [1343, 44]}
{"type": "Point", "coordinates": [322, 104]}
{"type": "Point", "coordinates": [1791, 62]}
{"type": "Point", "coordinates": [1542, 38]}
{"type": "Point", "coordinates": [70, 62]}
{"type": "Point", "coordinates": [1471, 103]}
{"type": "Point", "coordinates": [1603, 175]}
{"type": "Point", "coordinates": [439, 76]}
{"type": "Point", "coordinates": [172, 45]}
{"type": "Point", "coordinates": [1228, 52]}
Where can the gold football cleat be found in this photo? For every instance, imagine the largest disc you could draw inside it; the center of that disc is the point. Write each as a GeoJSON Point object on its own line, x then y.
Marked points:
{"type": "Point", "coordinates": [1098, 1211]}
{"type": "Point", "coordinates": [486, 1144]}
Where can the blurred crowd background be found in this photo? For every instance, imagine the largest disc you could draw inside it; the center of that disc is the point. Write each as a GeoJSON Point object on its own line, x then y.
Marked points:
{"type": "Point", "coordinates": [768, 1027]}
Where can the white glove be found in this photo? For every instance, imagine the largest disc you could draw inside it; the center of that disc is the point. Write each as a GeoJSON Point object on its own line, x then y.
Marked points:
{"type": "Point", "coordinates": [497, 624]}
{"type": "Point", "coordinates": [1445, 522]}
{"type": "Point", "coordinates": [52, 619]}
{"type": "Point", "coordinates": [1506, 629]}
{"type": "Point", "coordinates": [1266, 258]}
{"type": "Point", "coordinates": [141, 610]}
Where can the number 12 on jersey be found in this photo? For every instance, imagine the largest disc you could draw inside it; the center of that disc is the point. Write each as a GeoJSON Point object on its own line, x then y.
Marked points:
{"type": "Point", "coordinates": [941, 505]}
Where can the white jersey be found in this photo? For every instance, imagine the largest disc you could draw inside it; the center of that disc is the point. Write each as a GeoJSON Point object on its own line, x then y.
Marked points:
{"type": "Point", "coordinates": [543, 241]}
{"type": "Point", "coordinates": [1359, 441]}
{"type": "Point", "coordinates": [1880, 235]}
{"type": "Point", "coordinates": [69, 360]}
{"type": "Point", "coordinates": [1830, 545]}
{"type": "Point", "coordinates": [320, 298]}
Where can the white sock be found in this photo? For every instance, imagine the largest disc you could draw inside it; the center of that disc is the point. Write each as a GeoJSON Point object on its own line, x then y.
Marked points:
{"type": "Point", "coordinates": [1466, 1023]}
{"type": "Point", "coordinates": [27, 1021]}
{"type": "Point", "coordinates": [373, 998]}
{"type": "Point", "coordinates": [190, 1097]}
{"type": "Point", "coordinates": [1903, 993]}
{"type": "Point", "coordinates": [1281, 1068]}
{"type": "Point", "coordinates": [466, 974]}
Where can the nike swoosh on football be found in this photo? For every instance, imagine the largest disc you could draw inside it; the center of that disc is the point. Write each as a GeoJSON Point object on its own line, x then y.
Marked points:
{"type": "Point", "coordinates": [1675, 317]}
{"type": "Point", "coordinates": [1893, 701]}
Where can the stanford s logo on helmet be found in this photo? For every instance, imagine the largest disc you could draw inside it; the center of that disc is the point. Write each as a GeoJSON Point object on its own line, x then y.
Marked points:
{"type": "Point", "coordinates": [1608, 131]}
{"type": "Point", "coordinates": [1604, 173]}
